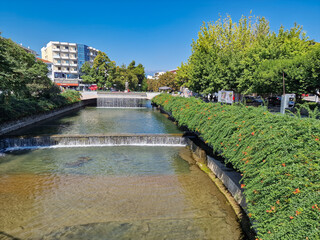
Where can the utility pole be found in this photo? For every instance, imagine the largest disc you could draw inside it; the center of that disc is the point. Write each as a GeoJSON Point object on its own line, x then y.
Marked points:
{"type": "Point", "coordinates": [283, 84]}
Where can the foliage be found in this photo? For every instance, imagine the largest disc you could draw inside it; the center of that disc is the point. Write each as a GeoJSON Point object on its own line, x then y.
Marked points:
{"type": "Point", "coordinates": [20, 73]}
{"type": "Point", "coordinates": [167, 79]}
{"type": "Point", "coordinates": [16, 108]}
{"type": "Point", "coordinates": [106, 74]}
{"type": "Point", "coordinates": [25, 88]}
{"type": "Point", "coordinates": [246, 57]}
{"type": "Point", "coordinates": [101, 72]}
{"type": "Point", "coordinates": [132, 74]}
{"type": "Point", "coordinates": [278, 155]}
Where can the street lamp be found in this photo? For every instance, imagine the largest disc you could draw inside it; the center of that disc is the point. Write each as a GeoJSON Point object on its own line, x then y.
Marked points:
{"type": "Point", "coordinates": [139, 87]}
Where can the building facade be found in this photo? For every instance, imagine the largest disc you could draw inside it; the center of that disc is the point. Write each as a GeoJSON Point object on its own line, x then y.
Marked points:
{"type": "Point", "coordinates": [67, 59]}
{"type": "Point", "coordinates": [50, 68]}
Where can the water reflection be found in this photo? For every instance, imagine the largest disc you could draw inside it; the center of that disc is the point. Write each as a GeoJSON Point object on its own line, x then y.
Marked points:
{"type": "Point", "coordinates": [91, 120]}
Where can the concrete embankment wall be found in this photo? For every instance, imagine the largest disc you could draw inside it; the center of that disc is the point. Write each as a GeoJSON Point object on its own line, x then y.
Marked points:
{"type": "Point", "coordinates": [15, 125]}
{"type": "Point", "coordinates": [228, 176]}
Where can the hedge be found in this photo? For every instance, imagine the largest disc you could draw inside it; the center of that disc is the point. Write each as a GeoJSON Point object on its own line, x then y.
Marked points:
{"type": "Point", "coordinates": [278, 156]}
{"type": "Point", "coordinates": [15, 108]}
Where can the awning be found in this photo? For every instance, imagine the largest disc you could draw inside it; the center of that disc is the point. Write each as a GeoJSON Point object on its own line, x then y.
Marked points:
{"type": "Point", "coordinates": [68, 84]}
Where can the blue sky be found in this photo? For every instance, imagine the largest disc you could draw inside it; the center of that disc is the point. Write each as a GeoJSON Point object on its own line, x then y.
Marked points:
{"type": "Point", "coordinates": [157, 34]}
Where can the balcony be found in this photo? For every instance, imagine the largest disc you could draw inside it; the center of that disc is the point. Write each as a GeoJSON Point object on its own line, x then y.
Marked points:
{"type": "Point", "coordinates": [64, 50]}
{"type": "Point", "coordinates": [65, 64]}
{"type": "Point", "coordinates": [72, 71]}
{"type": "Point", "coordinates": [56, 56]}
{"type": "Point", "coordinates": [57, 64]}
{"type": "Point", "coordinates": [73, 65]}
{"type": "Point", "coordinates": [56, 49]}
{"type": "Point", "coordinates": [65, 57]}
{"type": "Point", "coordinates": [72, 50]}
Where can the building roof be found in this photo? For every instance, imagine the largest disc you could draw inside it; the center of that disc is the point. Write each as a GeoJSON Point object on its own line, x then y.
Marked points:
{"type": "Point", "coordinates": [43, 60]}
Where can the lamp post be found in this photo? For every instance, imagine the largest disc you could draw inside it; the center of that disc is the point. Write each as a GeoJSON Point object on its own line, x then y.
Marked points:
{"type": "Point", "coordinates": [139, 87]}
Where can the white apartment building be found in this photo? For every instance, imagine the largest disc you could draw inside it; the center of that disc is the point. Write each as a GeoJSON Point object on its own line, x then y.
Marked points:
{"type": "Point", "coordinates": [67, 59]}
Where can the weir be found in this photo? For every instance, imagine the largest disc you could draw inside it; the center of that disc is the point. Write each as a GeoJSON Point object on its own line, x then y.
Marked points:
{"type": "Point", "coordinates": [121, 100]}
{"type": "Point", "coordinates": [9, 144]}
{"type": "Point", "coordinates": [121, 103]}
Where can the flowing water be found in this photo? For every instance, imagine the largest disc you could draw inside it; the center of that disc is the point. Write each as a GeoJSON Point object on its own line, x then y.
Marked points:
{"type": "Point", "coordinates": [92, 120]}
{"type": "Point", "coordinates": [119, 192]}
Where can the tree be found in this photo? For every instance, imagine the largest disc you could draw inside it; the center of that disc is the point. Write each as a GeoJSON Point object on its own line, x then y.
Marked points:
{"type": "Point", "coordinates": [101, 72]}
{"type": "Point", "coordinates": [246, 57]}
{"type": "Point", "coordinates": [167, 79]}
{"type": "Point", "coordinates": [20, 73]}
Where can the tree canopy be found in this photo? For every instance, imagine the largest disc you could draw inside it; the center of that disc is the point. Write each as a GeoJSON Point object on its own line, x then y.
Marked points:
{"type": "Point", "coordinates": [247, 57]}
{"type": "Point", "coordinates": [106, 74]}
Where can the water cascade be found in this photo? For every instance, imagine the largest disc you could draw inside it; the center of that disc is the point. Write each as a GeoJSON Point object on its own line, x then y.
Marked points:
{"type": "Point", "coordinates": [121, 103]}
{"type": "Point", "coordinates": [93, 140]}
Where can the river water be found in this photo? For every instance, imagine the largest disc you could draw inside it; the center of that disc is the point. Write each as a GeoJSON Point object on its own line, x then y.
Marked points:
{"type": "Point", "coordinates": [117, 192]}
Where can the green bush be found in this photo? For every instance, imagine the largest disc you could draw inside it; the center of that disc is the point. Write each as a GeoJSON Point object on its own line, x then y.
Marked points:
{"type": "Point", "coordinates": [14, 108]}
{"type": "Point", "coordinates": [278, 155]}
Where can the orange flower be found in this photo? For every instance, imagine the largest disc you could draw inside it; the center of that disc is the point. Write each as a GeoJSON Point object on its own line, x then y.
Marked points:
{"type": "Point", "coordinates": [249, 215]}
{"type": "Point", "coordinates": [291, 217]}
{"type": "Point", "coordinates": [243, 185]}
{"type": "Point", "coordinates": [317, 139]}
{"type": "Point", "coordinates": [252, 133]}
{"type": "Point", "coordinates": [278, 202]}
{"type": "Point", "coordinates": [283, 164]}
{"type": "Point", "coordinates": [296, 191]}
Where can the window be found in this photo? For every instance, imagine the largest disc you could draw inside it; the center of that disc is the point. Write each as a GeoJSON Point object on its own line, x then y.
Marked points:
{"type": "Point", "coordinates": [58, 61]}
{"type": "Point", "coordinates": [67, 69]}
{"type": "Point", "coordinates": [67, 55]}
{"type": "Point", "coordinates": [58, 47]}
{"type": "Point", "coordinates": [67, 61]}
{"type": "Point", "coordinates": [59, 68]}
{"type": "Point", "coordinates": [66, 47]}
{"type": "Point", "coordinates": [75, 62]}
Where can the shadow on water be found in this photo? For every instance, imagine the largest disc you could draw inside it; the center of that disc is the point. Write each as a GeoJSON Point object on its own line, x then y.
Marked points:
{"type": "Point", "coordinates": [80, 162]}
{"type": "Point", "coordinates": [5, 236]}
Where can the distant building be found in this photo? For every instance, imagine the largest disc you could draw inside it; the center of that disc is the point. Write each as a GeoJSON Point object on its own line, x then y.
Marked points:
{"type": "Point", "coordinates": [67, 59]}
{"type": "Point", "coordinates": [157, 74]}
{"type": "Point", "coordinates": [27, 49]}
{"type": "Point", "coordinates": [50, 68]}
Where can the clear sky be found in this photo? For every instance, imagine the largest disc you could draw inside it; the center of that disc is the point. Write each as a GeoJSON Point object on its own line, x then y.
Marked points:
{"type": "Point", "coordinates": [157, 34]}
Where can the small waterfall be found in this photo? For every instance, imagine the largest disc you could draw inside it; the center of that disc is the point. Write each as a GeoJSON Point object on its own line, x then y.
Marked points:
{"type": "Point", "coordinates": [9, 144]}
{"type": "Point", "coordinates": [121, 103]}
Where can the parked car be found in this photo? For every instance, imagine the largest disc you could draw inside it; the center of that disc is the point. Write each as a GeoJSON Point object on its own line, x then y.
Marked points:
{"type": "Point", "coordinates": [253, 101]}
{"type": "Point", "coordinates": [274, 101]}
{"type": "Point", "coordinates": [93, 87]}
